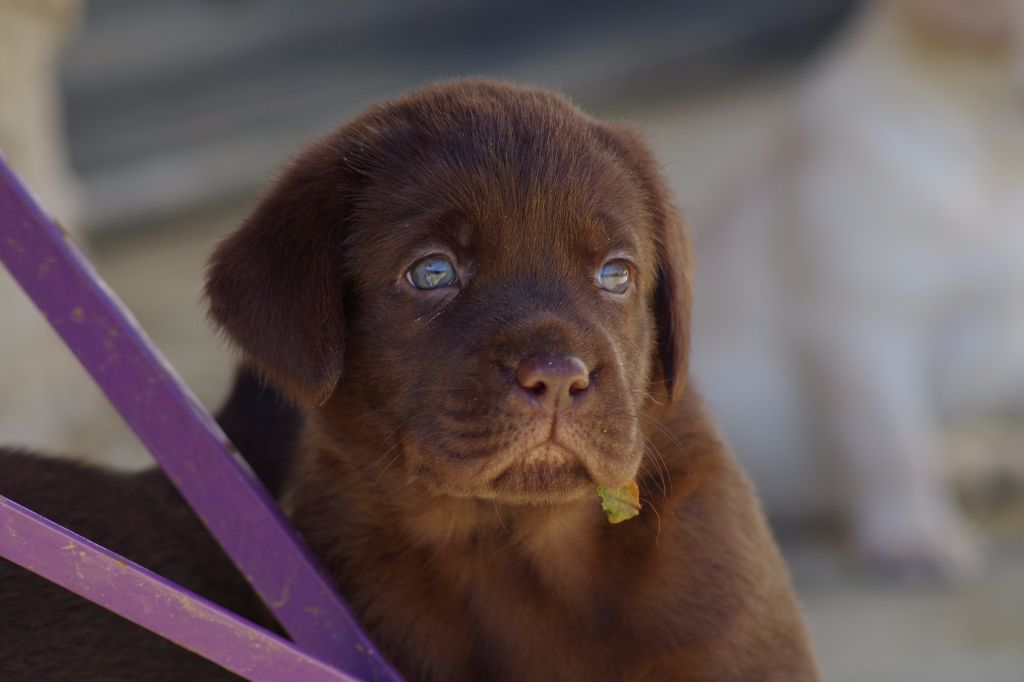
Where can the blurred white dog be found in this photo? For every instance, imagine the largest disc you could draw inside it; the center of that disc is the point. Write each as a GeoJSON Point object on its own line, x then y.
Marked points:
{"type": "Point", "coordinates": [869, 288]}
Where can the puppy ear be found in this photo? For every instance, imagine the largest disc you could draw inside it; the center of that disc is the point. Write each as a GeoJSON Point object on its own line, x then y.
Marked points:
{"type": "Point", "coordinates": [673, 294]}
{"type": "Point", "coordinates": [274, 285]}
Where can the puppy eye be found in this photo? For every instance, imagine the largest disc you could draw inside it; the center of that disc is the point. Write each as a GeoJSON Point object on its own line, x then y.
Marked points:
{"type": "Point", "coordinates": [432, 272]}
{"type": "Point", "coordinates": [614, 276]}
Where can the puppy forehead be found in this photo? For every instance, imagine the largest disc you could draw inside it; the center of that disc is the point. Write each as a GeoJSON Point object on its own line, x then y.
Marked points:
{"type": "Point", "coordinates": [500, 178]}
{"type": "Point", "coordinates": [487, 217]}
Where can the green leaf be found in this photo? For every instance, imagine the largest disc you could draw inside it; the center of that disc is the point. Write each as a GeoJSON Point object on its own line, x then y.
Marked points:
{"type": "Point", "coordinates": [621, 504]}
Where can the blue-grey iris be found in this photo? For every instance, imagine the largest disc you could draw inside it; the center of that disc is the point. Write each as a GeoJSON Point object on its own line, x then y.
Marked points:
{"type": "Point", "coordinates": [614, 276]}
{"type": "Point", "coordinates": [432, 272]}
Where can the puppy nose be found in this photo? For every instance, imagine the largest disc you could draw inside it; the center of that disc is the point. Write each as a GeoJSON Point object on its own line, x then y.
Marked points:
{"type": "Point", "coordinates": [553, 381]}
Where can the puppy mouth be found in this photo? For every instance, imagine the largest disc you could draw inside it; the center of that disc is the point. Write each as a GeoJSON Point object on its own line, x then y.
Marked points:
{"type": "Point", "coordinates": [536, 463]}
{"type": "Point", "coordinates": [545, 472]}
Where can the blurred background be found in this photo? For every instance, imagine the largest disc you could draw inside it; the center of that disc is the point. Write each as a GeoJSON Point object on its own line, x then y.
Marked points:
{"type": "Point", "coordinates": [149, 127]}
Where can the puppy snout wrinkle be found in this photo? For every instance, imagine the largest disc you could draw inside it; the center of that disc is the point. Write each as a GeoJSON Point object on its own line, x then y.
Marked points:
{"type": "Point", "coordinates": [553, 381]}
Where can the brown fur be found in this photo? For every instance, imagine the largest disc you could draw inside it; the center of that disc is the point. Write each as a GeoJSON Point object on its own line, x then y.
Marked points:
{"type": "Point", "coordinates": [459, 521]}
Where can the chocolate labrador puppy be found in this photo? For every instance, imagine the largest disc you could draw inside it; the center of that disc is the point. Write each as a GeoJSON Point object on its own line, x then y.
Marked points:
{"type": "Point", "coordinates": [483, 296]}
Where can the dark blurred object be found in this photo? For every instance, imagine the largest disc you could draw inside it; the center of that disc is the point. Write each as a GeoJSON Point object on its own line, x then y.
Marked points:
{"type": "Point", "coordinates": [263, 426]}
{"type": "Point", "coordinates": [174, 103]}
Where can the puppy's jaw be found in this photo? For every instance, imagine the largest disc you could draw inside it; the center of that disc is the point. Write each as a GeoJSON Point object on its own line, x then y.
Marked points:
{"type": "Point", "coordinates": [545, 474]}
{"type": "Point", "coordinates": [538, 461]}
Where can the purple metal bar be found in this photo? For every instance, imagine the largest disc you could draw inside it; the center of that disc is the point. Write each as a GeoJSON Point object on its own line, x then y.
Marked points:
{"type": "Point", "coordinates": [180, 433]}
{"type": "Point", "coordinates": [129, 590]}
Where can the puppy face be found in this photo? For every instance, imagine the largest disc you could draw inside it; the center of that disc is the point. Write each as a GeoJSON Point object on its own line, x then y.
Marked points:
{"type": "Point", "coordinates": [489, 277]}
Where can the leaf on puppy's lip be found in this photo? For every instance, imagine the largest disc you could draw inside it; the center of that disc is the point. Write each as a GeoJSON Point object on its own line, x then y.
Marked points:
{"type": "Point", "coordinates": [622, 503]}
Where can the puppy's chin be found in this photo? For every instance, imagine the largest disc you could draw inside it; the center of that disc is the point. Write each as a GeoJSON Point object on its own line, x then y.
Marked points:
{"type": "Point", "coordinates": [547, 473]}
{"type": "Point", "coordinates": [543, 474]}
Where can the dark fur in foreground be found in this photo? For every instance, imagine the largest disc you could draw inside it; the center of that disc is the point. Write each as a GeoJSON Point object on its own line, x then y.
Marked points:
{"type": "Point", "coordinates": [457, 514]}
{"type": "Point", "coordinates": [48, 634]}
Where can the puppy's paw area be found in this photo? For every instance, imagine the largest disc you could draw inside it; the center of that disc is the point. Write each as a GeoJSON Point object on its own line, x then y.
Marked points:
{"type": "Point", "coordinates": [922, 554]}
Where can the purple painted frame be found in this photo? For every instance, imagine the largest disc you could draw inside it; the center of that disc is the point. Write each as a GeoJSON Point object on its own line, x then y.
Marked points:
{"type": "Point", "coordinates": [186, 442]}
